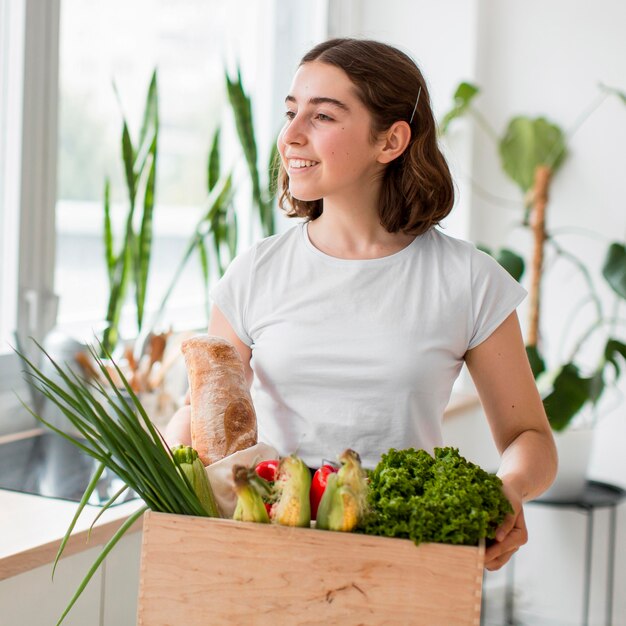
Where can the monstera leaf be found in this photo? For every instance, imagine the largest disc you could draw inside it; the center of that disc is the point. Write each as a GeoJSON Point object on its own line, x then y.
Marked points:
{"type": "Point", "coordinates": [527, 144]}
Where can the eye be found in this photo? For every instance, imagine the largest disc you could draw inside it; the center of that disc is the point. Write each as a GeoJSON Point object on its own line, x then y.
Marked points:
{"type": "Point", "coordinates": [290, 115]}
{"type": "Point", "coordinates": [323, 117]}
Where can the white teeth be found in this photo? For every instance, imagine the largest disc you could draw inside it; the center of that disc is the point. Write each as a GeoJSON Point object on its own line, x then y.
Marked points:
{"type": "Point", "coordinates": [298, 163]}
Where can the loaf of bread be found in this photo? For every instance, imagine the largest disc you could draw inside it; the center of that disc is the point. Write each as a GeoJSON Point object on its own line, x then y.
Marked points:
{"type": "Point", "coordinates": [223, 420]}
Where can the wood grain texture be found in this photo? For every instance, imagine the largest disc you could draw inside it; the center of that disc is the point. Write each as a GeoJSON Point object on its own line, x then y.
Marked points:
{"type": "Point", "coordinates": [196, 571]}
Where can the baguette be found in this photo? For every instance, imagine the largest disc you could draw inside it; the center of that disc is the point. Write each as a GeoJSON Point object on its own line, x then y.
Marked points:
{"type": "Point", "coordinates": [223, 420]}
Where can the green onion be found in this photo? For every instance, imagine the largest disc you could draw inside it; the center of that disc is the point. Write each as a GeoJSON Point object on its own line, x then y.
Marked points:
{"type": "Point", "coordinates": [117, 432]}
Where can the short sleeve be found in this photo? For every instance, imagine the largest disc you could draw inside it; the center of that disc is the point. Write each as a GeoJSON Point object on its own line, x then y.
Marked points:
{"type": "Point", "coordinates": [495, 295]}
{"type": "Point", "coordinates": [231, 293]}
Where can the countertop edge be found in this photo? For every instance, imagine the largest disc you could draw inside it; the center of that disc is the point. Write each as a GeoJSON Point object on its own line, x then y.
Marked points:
{"type": "Point", "coordinates": [26, 558]}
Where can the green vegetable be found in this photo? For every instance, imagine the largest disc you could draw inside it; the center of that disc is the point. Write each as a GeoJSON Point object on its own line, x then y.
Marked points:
{"type": "Point", "coordinates": [116, 431]}
{"type": "Point", "coordinates": [191, 466]}
{"type": "Point", "coordinates": [250, 489]}
{"type": "Point", "coordinates": [445, 499]}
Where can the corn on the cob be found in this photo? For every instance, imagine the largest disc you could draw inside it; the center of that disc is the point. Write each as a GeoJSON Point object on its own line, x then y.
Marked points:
{"type": "Point", "coordinates": [344, 499]}
{"type": "Point", "coordinates": [249, 487]}
{"type": "Point", "coordinates": [292, 485]}
{"type": "Point", "coordinates": [189, 463]}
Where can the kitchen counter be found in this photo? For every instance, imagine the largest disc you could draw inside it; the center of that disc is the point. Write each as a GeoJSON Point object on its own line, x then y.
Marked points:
{"type": "Point", "coordinates": [32, 527]}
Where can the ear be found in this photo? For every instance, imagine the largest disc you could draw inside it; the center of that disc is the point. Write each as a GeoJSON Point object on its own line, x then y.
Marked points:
{"type": "Point", "coordinates": [396, 139]}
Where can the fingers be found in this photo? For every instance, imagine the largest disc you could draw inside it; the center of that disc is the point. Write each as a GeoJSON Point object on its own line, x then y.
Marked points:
{"type": "Point", "coordinates": [509, 538]}
{"type": "Point", "coordinates": [496, 563]}
{"type": "Point", "coordinates": [506, 527]}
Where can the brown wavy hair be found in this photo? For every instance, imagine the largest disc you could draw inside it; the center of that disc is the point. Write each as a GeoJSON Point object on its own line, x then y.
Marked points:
{"type": "Point", "coordinates": [417, 190]}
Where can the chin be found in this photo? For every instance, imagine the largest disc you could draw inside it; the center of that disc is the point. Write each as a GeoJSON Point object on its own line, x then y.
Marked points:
{"type": "Point", "coordinates": [303, 196]}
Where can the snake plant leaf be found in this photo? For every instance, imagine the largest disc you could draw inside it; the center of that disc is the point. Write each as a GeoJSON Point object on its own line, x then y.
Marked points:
{"type": "Point", "coordinates": [614, 268]}
{"type": "Point", "coordinates": [537, 364]}
{"type": "Point", "coordinates": [221, 194]}
{"type": "Point", "coordinates": [527, 144]}
{"type": "Point", "coordinates": [144, 248]}
{"type": "Point", "coordinates": [149, 125]}
{"type": "Point", "coordinates": [213, 164]}
{"type": "Point", "coordinates": [241, 105]}
{"type": "Point", "coordinates": [128, 157]}
{"type": "Point", "coordinates": [273, 167]}
{"type": "Point", "coordinates": [231, 235]}
{"type": "Point", "coordinates": [570, 391]}
{"type": "Point", "coordinates": [109, 252]}
{"type": "Point", "coordinates": [203, 255]}
{"type": "Point", "coordinates": [463, 97]}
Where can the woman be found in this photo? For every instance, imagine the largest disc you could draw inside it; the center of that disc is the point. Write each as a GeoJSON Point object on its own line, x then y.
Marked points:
{"type": "Point", "coordinates": [353, 325]}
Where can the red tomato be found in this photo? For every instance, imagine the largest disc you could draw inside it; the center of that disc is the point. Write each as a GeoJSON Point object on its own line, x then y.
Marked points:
{"type": "Point", "coordinates": [318, 485]}
{"type": "Point", "coordinates": [268, 470]}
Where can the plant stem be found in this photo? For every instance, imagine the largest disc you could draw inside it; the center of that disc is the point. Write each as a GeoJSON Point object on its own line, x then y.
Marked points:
{"type": "Point", "coordinates": [585, 272]}
{"type": "Point", "coordinates": [538, 226]}
{"type": "Point", "coordinates": [612, 322]}
{"type": "Point", "coordinates": [484, 124]}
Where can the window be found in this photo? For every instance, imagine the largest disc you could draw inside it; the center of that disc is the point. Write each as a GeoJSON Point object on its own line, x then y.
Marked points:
{"type": "Point", "coordinates": [57, 62]}
{"type": "Point", "coordinates": [187, 43]}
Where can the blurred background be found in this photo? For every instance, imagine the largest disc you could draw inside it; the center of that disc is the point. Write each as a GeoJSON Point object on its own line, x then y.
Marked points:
{"type": "Point", "coordinates": [73, 72]}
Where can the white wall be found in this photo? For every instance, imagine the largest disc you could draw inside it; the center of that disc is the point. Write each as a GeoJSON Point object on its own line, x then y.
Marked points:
{"type": "Point", "coordinates": [534, 58]}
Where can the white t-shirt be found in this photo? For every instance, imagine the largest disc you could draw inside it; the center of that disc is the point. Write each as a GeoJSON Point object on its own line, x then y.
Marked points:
{"type": "Point", "coordinates": [359, 354]}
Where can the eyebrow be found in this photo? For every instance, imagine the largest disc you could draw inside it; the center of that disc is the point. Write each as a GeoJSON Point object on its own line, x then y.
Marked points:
{"type": "Point", "coordinates": [322, 100]}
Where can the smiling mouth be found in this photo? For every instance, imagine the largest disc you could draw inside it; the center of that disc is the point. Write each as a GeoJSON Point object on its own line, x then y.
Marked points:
{"type": "Point", "coordinates": [301, 164]}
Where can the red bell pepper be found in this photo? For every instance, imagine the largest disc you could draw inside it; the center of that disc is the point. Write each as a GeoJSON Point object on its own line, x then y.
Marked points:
{"type": "Point", "coordinates": [318, 486]}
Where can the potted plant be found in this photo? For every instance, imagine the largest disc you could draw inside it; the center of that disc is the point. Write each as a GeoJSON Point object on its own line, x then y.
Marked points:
{"type": "Point", "coordinates": [532, 151]}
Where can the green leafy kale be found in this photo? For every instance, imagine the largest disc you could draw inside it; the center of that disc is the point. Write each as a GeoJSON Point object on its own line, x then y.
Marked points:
{"type": "Point", "coordinates": [445, 499]}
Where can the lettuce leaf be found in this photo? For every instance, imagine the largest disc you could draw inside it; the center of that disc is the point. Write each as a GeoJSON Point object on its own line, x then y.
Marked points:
{"type": "Point", "coordinates": [443, 499]}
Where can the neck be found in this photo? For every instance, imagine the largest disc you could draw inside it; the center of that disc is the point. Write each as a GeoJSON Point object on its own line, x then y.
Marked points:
{"type": "Point", "coordinates": [354, 232]}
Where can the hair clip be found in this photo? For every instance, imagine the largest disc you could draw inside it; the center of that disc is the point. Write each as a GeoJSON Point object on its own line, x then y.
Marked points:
{"type": "Point", "coordinates": [415, 107]}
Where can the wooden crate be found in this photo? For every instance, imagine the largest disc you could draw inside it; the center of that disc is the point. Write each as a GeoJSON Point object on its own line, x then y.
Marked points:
{"type": "Point", "coordinates": [198, 571]}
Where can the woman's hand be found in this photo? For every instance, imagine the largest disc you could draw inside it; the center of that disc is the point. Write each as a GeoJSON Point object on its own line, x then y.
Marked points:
{"type": "Point", "coordinates": [178, 429]}
{"type": "Point", "coordinates": [511, 535]}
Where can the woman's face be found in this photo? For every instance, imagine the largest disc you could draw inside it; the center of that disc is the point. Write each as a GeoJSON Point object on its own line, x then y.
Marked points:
{"type": "Point", "coordinates": [325, 145]}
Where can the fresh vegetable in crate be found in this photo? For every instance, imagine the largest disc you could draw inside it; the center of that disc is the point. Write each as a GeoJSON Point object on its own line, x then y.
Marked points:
{"type": "Point", "coordinates": [344, 501]}
{"type": "Point", "coordinates": [293, 482]}
{"type": "Point", "coordinates": [268, 470]}
{"type": "Point", "coordinates": [250, 489]}
{"type": "Point", "coordinates": [443, 499]}
{"type": "Point", "coordinates": [318, 486]}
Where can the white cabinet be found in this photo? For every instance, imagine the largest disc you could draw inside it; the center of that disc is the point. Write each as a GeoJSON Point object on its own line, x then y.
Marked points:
{"type": "Point", "coordinates": [110, 598]}
{"type": "Point", "coordinates": [121, 582]}
{"type": "Point", "coordinates": [33, 599]}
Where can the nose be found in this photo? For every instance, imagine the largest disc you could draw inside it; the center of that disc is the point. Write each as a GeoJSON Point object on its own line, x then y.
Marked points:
{"type": "Point", "coordinates": [294, 132]}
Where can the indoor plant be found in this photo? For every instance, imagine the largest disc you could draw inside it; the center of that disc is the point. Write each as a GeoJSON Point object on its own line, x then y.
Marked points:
{"type": "Point", "coordinates": [531, 152]}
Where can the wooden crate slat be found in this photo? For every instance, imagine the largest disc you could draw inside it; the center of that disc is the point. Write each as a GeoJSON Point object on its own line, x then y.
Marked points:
{"type": "Point", "coordinates": [198, 571]}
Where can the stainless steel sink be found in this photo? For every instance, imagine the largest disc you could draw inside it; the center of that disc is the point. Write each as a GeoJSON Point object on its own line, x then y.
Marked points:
{"type": "Point", "coordinates": [45, 464]}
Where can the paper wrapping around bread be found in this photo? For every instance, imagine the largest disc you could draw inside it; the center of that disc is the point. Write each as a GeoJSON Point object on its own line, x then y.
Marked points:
{"type": "Point", "coordinates": [220, 474]}
{"type": "Point", "coordinates": [223, 420]}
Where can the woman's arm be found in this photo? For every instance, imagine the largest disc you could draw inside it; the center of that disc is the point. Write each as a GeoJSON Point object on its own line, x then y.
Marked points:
{"type": "Point", "coordinates": [501, 372]}
{"type": "Point", "coordinates": [178, 429]}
